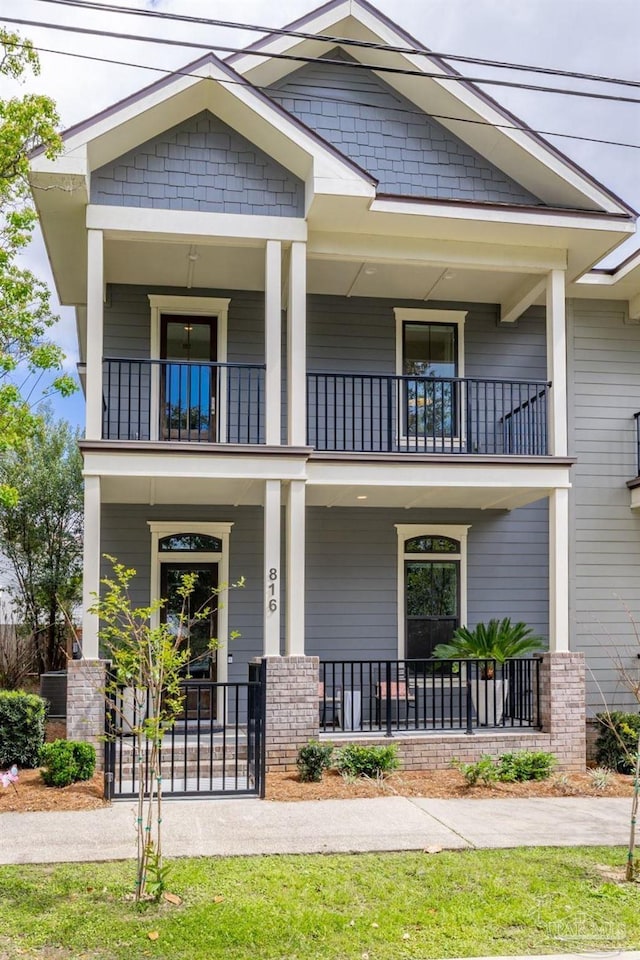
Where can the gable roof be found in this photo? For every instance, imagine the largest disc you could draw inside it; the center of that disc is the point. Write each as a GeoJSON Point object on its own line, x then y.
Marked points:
{"type": "Point", "coordinates": [373, 39]}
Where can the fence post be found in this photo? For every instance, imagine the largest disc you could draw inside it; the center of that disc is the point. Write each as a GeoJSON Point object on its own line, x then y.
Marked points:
{"type": "Point", "coordinates": [469, 730]}
{"type": "Point", "coordinates": [389, 732]}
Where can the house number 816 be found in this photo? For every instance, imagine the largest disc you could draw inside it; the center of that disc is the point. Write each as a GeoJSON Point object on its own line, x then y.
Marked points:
{"type": "Point", "coordinates": [271, 590]}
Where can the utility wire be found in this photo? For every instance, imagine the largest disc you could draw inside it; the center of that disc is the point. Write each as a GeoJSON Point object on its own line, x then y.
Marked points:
{"type": "Point", "coordinates": [292, 95]}
{"type": "Point", "coordinates": [351, 64]}
{"type": "Point", "coordinates": [327, 38]}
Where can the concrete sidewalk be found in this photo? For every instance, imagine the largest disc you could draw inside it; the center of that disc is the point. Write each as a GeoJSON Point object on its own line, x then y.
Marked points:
{"type": "Point", "coordinates": [248, 827]}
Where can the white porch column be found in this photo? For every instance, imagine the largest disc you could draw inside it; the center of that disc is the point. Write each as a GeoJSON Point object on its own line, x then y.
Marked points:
{"type": "Point", "coordinates": [273, 340]}
{"type": "Point", "coordinates": [297, 346]}
{"type": "Point", "coordinates": [90, 566]}
{"type": "Point", "coordinates": [294, 636]}
{"type": "Point", "coordinates": [559, 571]}
{"type": "Point", "coordinates": [557, 363]}
{"type": "Point", "coordinates": [95, 322]}
{"type": "Point", "coordinates": [272, 568]}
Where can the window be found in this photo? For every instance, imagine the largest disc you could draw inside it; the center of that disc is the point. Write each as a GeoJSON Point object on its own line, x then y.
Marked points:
{"type": "Point", "coordinates": [429, 358]}
{"type": "Point", "coordinates": [432, 584]}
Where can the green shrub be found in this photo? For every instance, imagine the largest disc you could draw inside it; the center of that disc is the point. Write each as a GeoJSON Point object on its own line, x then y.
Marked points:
{"type": "Point", "coordinates": [525, 765]}
{"type": "Point", "coordinates": [617, 742]}
{"type": "Point", "coordinates": [483, 770]}
{"type": "Point", "coordinates": [313, 760]}
{"type": "Point", "coordinates": [67, 761]}
{"type": "Point", "coordinates": [22, 723]}
{"type": "Point", "coordinates": [356, 761]}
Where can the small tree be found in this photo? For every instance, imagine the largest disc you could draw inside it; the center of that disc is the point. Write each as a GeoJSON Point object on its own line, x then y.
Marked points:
{"type": "Point", "coordinates": [41, 534]}
{"type": "Point", "coordinates": [148, 658]}
{"type": "Point", "coordinates": [25, 311]}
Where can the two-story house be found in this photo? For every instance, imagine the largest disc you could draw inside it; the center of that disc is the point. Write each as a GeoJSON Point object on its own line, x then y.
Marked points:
{"type": "Point", "coordinates": [340, 338]}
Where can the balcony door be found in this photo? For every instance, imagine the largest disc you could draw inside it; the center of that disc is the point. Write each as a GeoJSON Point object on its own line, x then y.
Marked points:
{"type": "Point", "coordinates": [188, 380]}
{"type": "Point", "coordinates": [430, 355]}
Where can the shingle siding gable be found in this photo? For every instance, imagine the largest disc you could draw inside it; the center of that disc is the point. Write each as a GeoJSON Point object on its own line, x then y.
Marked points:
{"type": "Point", "coordinates": [409, 153]}
{"type": "Point", "coordinates": [201, 164]}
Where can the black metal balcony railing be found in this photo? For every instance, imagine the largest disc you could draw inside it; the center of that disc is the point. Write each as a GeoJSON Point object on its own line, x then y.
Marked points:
{"type": "Point", "coordinates": [389, 696]}
{"type": "Point", "coordinates": [373, 413]}
{"type": "Point", "coordinates": [636, 417]}
{"type": "Point", "coordinates": [183, 400]}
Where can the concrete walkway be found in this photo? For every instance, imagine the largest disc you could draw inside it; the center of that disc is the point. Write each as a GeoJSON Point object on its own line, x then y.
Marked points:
{"type": "Point", "coordinates": [248, 827]}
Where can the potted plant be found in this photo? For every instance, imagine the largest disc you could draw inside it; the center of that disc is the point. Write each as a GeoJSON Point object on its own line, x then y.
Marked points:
{"type": "Point", "coordinates": [494, 642]}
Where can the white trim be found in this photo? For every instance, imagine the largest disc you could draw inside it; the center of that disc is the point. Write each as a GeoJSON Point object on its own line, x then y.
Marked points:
{"type": "Point", "coordinates": [556, 336]}
{"type": "Point", "coordinates": [189, 306]}
{"type": "Point", "coordinates": [559, 571]}
{"type": "Point", "coordinates": [272, 604]}
{"type": "Point", "coordinates": [295, 598]}
{"type": "Point", "coordinates": [137, 223]}
{"type": "Point", "coordinates": [424, 315]}
{"type": "Point", "coordinates": [273, 341]}
{"type": "Point", "coordinates": [222, 530]}
{"type": "Point", "coordinates": [91, 552]}
{"type": "Point", "coordinates": [297, 346]}
{"type": "Point", "coordinates": [407, 530]}
{"type": "Point", "coordinates": [95, 334]}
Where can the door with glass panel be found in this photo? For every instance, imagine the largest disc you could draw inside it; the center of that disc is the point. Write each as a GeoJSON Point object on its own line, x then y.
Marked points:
{"type": "Point", "coordinates": [198, 629]}
{"type": "Point", "coordinates": [188, 380]}
{"type": "Point", "coordinates": [429, 367]}
{"type": "Point", "coordinates": [432, 593]}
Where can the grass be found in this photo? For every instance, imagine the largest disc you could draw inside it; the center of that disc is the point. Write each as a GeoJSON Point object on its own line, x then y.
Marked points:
{"type": "Point", "coordinates": [450, 904]}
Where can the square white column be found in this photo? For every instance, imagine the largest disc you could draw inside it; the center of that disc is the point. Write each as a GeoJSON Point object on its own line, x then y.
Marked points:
{"type": "Point", "coordinates": [297, 346]}
{"type": "Point", "coordinates": [271, 627]}
{"type": "Point", "coordinates": [273, 341]}
{"type": "Point", "coordinates": [95, 322]}
{"type": "Point", "coordinates": [294, 635]}
{"type": "Point", "coordinates": [557, 363]}
{"type": "Point", "coordinates": [90, 566]}
{"type": "Point", "coordinates": [559, 571]}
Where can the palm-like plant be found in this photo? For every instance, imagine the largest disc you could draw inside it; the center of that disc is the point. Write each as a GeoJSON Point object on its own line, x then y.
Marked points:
{"type": "Point", "coordinates": [497, 640]}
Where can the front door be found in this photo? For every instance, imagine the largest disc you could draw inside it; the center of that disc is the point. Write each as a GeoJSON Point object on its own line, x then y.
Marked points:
{"type": "Point", "coordinates": [432, 603]}
{"type": "Point", "coordinates": [189, 382]}
{"type": "Point", "coordinates": [200, 703]}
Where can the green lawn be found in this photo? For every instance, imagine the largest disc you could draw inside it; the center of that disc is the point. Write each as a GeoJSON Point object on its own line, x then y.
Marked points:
{"type": "Point", "coordinates": [298, 908]}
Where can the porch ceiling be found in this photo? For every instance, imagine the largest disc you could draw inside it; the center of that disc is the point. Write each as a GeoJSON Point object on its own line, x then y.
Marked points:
{"type": "Point", "coordinates": [218, 266]}
{"type": "Point", "coordinates": [441, 486]}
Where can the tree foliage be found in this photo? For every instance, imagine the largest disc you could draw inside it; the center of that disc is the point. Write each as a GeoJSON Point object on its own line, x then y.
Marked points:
{"type": "Point", "coordinates": [41, 533]}
{"type": "Point", "coordinates": [26, 352]}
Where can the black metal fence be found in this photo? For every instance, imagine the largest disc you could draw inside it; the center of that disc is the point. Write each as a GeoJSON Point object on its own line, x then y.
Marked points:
{"type": "Point", "coordinates": [183, 400]}
{"type": "Point", "coordinates": [215, 747]}
{"type": "Point", "coordinates": [389, 696]}
{"type": "Point", "coordinates": [373, 413]}
{"type": "Point", "coordinates": [636, 417]}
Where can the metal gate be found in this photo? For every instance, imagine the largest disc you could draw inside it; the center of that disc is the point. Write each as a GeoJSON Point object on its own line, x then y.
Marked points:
{"type": "Point", "coordinates": [215, 747]}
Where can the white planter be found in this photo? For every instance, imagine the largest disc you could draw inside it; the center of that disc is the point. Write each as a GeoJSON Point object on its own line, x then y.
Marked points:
{"type": "Point", "coordinates": [488, 700]}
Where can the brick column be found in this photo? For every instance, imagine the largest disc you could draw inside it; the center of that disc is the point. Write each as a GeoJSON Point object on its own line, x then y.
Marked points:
{"type": "Point", "coordinates": [85, 704]}
{"type": "Point", "coordinates": [292, 711]}
{"type": "Point", "coordinates": [562, 707]}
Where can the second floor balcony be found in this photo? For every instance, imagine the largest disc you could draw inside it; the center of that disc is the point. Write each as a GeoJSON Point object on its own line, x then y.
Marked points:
{"type": "Point", "coordinates": [195, 402]}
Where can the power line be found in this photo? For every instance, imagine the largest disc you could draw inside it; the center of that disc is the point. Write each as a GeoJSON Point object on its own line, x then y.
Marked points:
{"type": "Point", "coordinates": [292, 95]}
{"type": "Point", "coordinates": [351, 64]}
{"type": "Point", "coordinates": [327, 38]}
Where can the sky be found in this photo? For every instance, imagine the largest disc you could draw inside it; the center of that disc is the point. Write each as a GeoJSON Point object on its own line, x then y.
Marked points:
{"type": "Point", "coordinates": [588, 36]}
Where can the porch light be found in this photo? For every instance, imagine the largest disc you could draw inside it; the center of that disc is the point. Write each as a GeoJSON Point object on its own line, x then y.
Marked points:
{"type": "Point", "coordinates": [362, 496]}
{"type": "Point", "coordinates": [370, 271]}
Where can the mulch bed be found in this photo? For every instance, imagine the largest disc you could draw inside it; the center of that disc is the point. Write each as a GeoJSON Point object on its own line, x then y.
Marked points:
{"type": "Point", "coordinates": [31, 794]}
{"type": "Point", "coordinates": [442, 784]}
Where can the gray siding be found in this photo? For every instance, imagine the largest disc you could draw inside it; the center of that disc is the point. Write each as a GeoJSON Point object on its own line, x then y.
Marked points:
{"type": "Point", "coordinates": [351, 592]}
{"type": "Point", "coordinates": [202, 164]}
{"type": "Point", "coordinates": [388, 136]}
{"type": "Point", "coordinates": [604, 360]}
{"type": "Point", "coordinates": [352, 557]}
